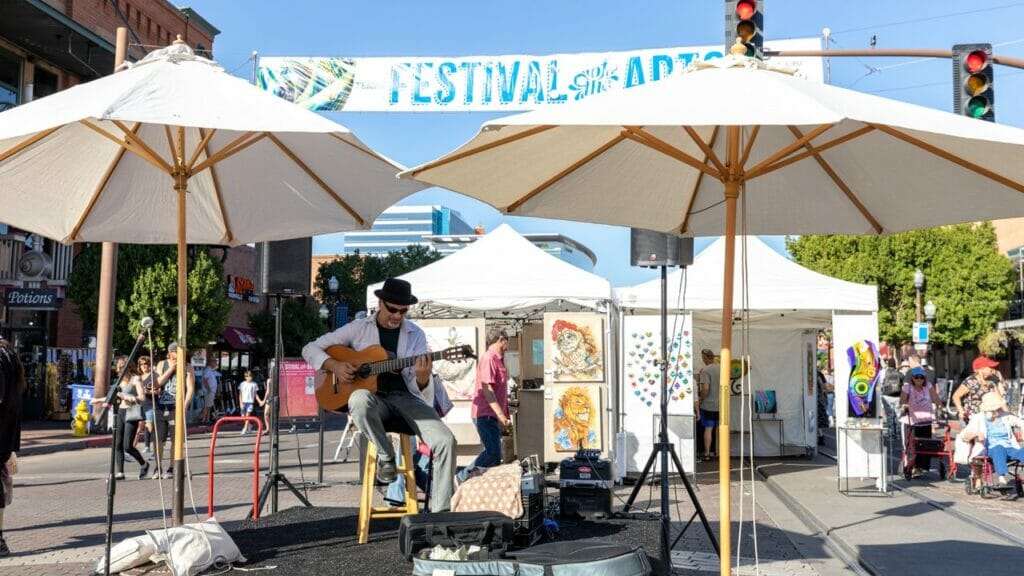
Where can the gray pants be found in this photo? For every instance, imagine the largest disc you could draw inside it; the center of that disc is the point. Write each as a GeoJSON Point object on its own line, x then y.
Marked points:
{"type": "Point", "coordinates": [369, 411]}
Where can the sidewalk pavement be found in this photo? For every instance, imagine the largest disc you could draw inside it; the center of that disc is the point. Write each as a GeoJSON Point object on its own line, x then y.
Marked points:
{"type": "Point", "coordinates": [48, 437]}
{"type": "Point", "coordinates": [897, 533]}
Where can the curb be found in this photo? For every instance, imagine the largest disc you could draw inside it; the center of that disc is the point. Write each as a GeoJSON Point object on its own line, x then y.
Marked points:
{"type": "Point", "coordinates": [846, 552]}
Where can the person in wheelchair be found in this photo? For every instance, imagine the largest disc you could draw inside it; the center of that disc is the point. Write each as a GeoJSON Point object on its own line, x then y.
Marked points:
{"type": "Point", "coordinates": [995, 430]}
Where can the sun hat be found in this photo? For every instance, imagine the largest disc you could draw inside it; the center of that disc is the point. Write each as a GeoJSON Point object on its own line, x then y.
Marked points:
{"type": "Point", "coordinates": [984, 362]}
{"type": "Point", "coordinates": [991, 402]}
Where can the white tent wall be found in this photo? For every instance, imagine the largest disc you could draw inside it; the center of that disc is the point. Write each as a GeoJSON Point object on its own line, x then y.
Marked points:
{"type": "Point", "coordinates": [860, 453]}
{"type": "Point", "coordinates": [776, 363]}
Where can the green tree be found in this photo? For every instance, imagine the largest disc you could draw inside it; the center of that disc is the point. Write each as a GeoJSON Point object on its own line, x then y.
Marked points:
{"type": "Point", "coordinates": [355, 272]}
{"type": "Point", "coordinates": [299, 324]}
{"type": "Point", "coordinates": [966, 277]}
{"type": "Point", "coordinates": [154, 293]}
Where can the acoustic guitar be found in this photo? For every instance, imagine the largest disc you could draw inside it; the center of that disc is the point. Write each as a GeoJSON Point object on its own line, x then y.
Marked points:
{"type": "Point", "coordinates": [370, 362]}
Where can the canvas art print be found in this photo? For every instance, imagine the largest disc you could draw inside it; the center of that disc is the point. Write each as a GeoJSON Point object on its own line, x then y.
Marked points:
{"type": "Point", "coordinates": [459, 378]}
{"type": "Point", "coordinates": [643, 365]}
{"type": "Point", "coordinates": [576, 417]}
{"type": "Point", "coordinates": [864, 364]}
{"type": "Point", "coordinates": [574, 347]}
{"type": "Point", "coordinates": [765, 402]}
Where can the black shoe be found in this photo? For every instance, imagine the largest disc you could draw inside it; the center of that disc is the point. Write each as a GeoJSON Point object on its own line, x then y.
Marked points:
{"type": "Point", "coordinates": [144, 471]}
{"type": "Point", "coordinates": [386, 472]}
{"type": "Point", "coordinates": [4, 550]}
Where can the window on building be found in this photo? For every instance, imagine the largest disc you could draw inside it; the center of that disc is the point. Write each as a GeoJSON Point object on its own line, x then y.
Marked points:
{"type": "Point", "coordinates": [149, 26]}
{"type": "Point", "coordinates": [10, 79]}
{"type": "Point", "coordinates": [44, 83]}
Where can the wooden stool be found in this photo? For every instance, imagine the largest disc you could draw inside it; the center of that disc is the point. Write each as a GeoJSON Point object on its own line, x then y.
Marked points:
{"type": "Point", "coordinates": [367, 511]}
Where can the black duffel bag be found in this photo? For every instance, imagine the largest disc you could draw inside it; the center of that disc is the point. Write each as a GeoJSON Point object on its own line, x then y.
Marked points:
{"type": "Point", "coordinates": [489, 530]}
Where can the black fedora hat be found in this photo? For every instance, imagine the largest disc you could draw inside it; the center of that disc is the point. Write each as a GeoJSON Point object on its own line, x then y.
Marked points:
{"type": "Point", "coordinates": [396, 291]}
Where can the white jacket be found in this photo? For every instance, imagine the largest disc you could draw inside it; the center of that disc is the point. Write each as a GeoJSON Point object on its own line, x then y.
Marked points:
{"type": "Point", "coordinates": [359, 334]}
{"type": "Point", "coordinates": [977, 426]}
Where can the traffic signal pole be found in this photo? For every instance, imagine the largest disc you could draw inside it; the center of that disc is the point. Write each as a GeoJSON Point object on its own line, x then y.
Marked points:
{"type": "Point", "coordinates": [896, 52]}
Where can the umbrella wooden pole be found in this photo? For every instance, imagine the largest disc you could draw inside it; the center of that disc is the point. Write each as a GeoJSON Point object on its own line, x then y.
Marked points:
{"type": "Point", "coordinates": [181, 188]}
{"type": "Point", "coordinates": [732, 192]}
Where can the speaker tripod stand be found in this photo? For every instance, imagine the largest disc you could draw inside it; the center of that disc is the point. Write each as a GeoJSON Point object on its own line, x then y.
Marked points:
{"type": "Point", "coordinates": [663, 448]}
{"type": "Point", "coordinates": [275, 477]}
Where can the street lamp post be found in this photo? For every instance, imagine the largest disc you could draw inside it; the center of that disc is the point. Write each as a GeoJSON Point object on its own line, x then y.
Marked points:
{"type": "Point", "coordinates": [918, 285]}
{"type": "Point", "coordinates": [332, 287]}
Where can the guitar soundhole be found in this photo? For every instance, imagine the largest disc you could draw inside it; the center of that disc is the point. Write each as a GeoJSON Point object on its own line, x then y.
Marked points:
{"type": "Point", "coordinates": [363, 371]}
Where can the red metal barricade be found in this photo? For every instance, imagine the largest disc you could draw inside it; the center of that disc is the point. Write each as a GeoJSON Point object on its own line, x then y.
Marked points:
{"type": "Point", "coordinates": [256, 461]}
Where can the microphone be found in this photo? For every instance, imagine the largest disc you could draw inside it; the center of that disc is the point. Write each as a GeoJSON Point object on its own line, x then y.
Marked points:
{"type": "Point", "coordinates": [147, 323]}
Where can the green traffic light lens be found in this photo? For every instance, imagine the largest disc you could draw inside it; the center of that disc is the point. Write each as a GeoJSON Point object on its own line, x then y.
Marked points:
{"type": "Point", "coordinates": [977, 107]}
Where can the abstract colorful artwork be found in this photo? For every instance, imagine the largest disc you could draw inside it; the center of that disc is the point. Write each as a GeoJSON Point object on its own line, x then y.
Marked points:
{"type": "Point", "coordinates": [459, 378]}
{"type": "Point", "coordinates": [576, 418]}
{"type": "Point", "coordinates": [313, 83]}
{"type": "Point", "coordinates": [864, 364]}
{"type": "Point", "coordinates": [643, 366]}
{"type": "Point", "coordinates": [575, 349]}
{"type": "Point", "coordinates": [738, 368]}
{"type": "Point", "coordinates": [765, 402]}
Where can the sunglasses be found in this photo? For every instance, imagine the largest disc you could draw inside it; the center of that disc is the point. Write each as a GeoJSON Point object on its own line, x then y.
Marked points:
{"type": "Point", "coordinates": [918, 377]}
{"type": "Point", "coordinates": [393, 310]}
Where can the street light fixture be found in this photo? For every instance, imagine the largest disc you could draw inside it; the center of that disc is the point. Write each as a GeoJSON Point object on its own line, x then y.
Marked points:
{"type": "Point", "coordinates": [332, 285]}
{"type": "Point", "coordinates": [929, 311]}
{"type": "Point", "coordinates": [324, 312]}
{"type": "Point", "coordinates": [918, 285]}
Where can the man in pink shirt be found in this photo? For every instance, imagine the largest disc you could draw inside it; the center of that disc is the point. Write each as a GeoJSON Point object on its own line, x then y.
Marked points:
{"type": "Point", "coordinates": [490, 401]}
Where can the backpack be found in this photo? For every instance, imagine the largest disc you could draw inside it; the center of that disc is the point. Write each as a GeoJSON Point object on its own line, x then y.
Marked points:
{"type": "Point", "coordinates": [893, 383]}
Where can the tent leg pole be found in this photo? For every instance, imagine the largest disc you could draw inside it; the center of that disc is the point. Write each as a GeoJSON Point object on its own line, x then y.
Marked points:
{"type": "Point", "coordinates": [732, 192]}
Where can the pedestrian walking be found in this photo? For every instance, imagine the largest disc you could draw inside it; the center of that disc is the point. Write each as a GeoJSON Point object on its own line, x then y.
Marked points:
{"type": "Point", "coordinates": [490, 401]}
{"type": "Point", "coordinates": [247, 396]}
{"type": "Point", "coordinates": [12, 386]}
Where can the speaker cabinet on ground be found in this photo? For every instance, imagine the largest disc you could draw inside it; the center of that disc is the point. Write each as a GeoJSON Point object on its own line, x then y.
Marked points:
{"type": "Point", "coordinates": [651, 249]}
{"type": "Point", "coordinates": [283, 266]}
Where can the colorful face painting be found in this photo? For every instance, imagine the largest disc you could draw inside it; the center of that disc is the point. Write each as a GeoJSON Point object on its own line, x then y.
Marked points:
{"type": "Point", "coordinates": [864, 365]}
{"type": "Point", "coordinates": [576, 419]}
{"type": "Point", "coordinates": [576, 351]}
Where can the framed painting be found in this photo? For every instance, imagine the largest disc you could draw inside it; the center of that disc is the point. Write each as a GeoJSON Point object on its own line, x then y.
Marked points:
{"type": "Point", "coordinates": [576, 417]}
{"type": "Point", "coordinates": [574, 347]}
{"type": "Point", "coordinates": [459, 378]}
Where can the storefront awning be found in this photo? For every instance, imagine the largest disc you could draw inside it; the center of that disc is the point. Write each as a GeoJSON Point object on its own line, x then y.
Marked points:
{"type": "Point", "coordinates": [238, 338]}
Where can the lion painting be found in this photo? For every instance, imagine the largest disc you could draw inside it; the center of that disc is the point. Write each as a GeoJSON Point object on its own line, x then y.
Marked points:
{"type": "Point", "coordinates": [576, 420]}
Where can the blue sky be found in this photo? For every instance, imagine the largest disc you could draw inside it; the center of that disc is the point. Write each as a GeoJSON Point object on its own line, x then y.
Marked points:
{"type": "Point", "coordinates": [468, 28]}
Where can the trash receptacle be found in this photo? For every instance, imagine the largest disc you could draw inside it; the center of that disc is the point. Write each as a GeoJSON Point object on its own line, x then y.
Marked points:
{"type": "Point", "coordinates": [80, 392]}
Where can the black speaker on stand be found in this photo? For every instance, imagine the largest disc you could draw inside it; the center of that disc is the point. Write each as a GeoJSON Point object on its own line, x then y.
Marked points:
{"type": "Point", "coordinates": [651, 249]}
{"type": "Point", "coordinates": [282, 271]}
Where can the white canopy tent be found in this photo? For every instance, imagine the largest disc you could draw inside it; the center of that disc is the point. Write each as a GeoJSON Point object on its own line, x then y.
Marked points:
{"type": "Point", "coordinates": [779, 289]}
{"type": "Point", "coordinates": [787, 304]}
{"type": "Point", "coordinates": [502, 272]}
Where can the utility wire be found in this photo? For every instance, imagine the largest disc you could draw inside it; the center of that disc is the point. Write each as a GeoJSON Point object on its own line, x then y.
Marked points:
{"type": "Point", "coordinates": [924, 19]}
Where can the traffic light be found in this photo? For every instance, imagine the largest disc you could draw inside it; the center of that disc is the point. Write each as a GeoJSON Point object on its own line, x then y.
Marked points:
{"type": "Point", "coordinates": [973, 95]}
{"type": "Point", "coordinates": [744, 19]}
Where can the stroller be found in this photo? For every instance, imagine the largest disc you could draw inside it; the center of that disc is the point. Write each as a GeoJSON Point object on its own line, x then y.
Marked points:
{"type": "Point", "coordinates": [941, 448]}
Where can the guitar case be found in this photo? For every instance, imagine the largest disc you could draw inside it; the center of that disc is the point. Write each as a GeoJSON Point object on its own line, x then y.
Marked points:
{"type": "Point", "coordinates": [489, 530]}
{"type": "Point", "coordinates": [572, 558]}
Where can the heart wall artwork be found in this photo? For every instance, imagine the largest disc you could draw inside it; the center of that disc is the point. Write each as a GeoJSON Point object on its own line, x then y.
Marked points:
{"type": "Point", "coordinates": [641, 387]}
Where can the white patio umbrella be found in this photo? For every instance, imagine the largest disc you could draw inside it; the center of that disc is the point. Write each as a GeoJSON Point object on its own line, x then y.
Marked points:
{"type": "Point", "coordinates": [175, 150]}
{"type": "Point", "coordinates": [678, 155]}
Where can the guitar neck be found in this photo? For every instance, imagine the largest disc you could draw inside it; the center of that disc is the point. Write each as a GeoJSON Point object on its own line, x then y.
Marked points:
{"type": "Point", "coordinates": [399, 363]}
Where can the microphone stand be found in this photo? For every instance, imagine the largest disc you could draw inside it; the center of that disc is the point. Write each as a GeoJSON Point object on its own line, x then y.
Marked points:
{"type": "Point", "coordinates": [113, 402]}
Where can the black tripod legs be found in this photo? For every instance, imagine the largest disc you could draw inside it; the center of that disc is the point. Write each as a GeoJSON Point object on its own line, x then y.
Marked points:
{"type": "Point", "coordinates": [270, 487]}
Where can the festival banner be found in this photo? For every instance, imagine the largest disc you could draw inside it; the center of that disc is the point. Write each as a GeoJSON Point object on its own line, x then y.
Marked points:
{"type": "Point", "coordinates": [488, 83]}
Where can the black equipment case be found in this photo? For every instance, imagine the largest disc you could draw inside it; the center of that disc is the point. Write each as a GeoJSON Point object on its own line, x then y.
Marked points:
{"type": "Point", "coordinates": [571, 558]}
{"type": "Point", "coordinates": [489, 530]}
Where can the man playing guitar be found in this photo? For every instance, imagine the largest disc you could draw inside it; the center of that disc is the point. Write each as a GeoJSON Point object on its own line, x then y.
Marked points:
{"type": "Point", "coordinates": [399, 395]}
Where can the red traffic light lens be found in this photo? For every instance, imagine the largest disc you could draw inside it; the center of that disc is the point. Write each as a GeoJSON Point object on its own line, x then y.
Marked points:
{"type": "Point", "coordinates": [976, 61]}
{"type": "Point", "coordinates": [745, 9]}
